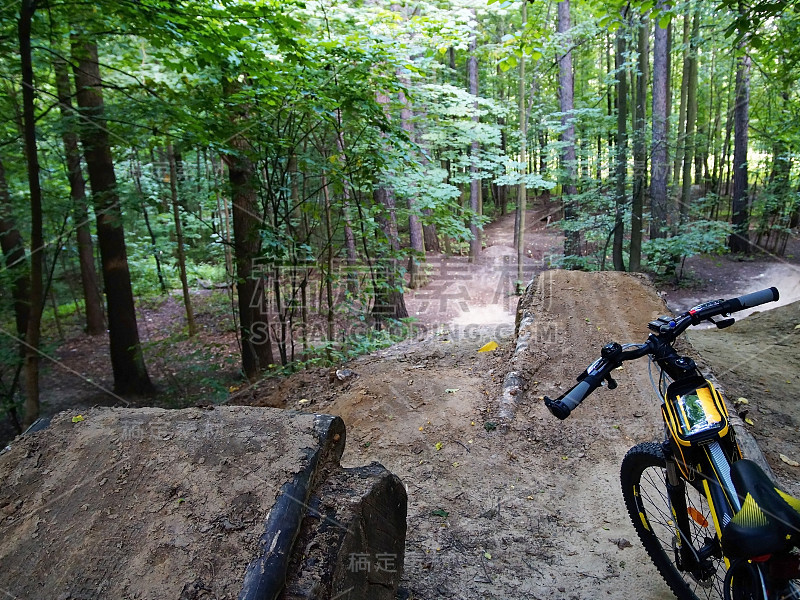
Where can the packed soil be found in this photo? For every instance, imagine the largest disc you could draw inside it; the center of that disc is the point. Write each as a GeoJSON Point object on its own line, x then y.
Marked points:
{"type": "Point", "coordinates": [148, 503]}
{"type": "Point", "coordinates": [528, 508]}
{"type": "Point", "coordinates": [524, 509]}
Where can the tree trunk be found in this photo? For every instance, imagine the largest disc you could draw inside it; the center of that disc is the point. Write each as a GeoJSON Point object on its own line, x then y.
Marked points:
{"type": "Point", "coordinates": [522, 194]}
{"type": "Point", "coordinates": [501, 191]}
{"type": "Point", "coordinates": [676, 170]}
{"type": "Point", "coordinates": [127, 362]}
{"type": "Point", "coordinates": [349, 236]}
{"type": "Point", "coordinates": [726, 145]}
{"type": "Point", "coordinates": [389, 298]}
{"type": "Point", "coordinates": [136, 175]}
{"type": "Point", "coordinates": [622, 151]}
{"type": "Point", "coordinates": [36, 298]}
{"type": "Point", "coordinates": [611, 100]}
{"type": "Point", "coordinates": [416, 274]}
{"type": "Point", "coordinates": [716, 141]}
{"type": "Point", "coordinates": [740, 238]}
{"type": "Point", "coordinates": [13, 247]}
{"type": "Point", "coordinates": [670, 79]}
{"type": "Point", "coordinates": [475, 182]}
{"type": "Point", "coordinates": [691, 121]}
{"type": "Point", "coordinates": [566, 93]}
{"type": "Point", "coordinates": [659, 154]}
{"type": "Point", "coordinates": [639, 148]}
{"type": "Point", "coordinates": [173, 188]}
{"type": "Point", "coordinates": [330, 318]}
{"type": "Point", "coordinates": [429, 234]}
{"type": "Point", "coordinates": [95, 324]}
{"type": "Point", "coordinates": [253, 316]}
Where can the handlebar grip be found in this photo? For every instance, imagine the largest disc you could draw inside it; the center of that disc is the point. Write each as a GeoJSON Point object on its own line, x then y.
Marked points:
{"type": "Point", "coordinates": [754, 299]}
{"type": "Point", "coordinates": [562, 407]}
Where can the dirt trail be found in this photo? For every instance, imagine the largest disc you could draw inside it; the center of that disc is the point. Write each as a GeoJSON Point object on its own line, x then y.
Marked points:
{"type": "Point", "coordinates": [531, 510]}
{"type": "Point", "coordinates": [468, 295]}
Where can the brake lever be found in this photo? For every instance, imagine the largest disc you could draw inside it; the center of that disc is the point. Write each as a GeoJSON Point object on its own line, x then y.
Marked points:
{"type": "Point", "coordinates": [724, 323]}
{"type": "Point", "coordinates": [612, 384]}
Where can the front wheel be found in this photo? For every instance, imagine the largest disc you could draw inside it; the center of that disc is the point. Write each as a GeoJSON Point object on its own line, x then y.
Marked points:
{"type": "Point", "coordinates": [696, 572]}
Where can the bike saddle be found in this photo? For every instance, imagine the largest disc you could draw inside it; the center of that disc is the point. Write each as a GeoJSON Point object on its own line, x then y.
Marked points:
{"type": "Point", "coordinates": [769, 520]}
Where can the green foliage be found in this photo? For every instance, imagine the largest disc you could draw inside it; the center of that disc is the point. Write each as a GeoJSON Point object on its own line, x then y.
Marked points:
{"type": "Point", "coordinates": [297, 83]}
{"type": "Point", "coordinates": [596, 223]}
{"type": "Point", "coordinates": [666, 256]}
{"type": "Point", "coordinates": [325, 354]}
{"type": "Point", "coordinates": [192, 371]}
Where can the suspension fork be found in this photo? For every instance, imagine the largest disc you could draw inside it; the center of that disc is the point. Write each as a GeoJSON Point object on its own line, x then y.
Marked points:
{"type": "Point", "coordinates": [685, 555]}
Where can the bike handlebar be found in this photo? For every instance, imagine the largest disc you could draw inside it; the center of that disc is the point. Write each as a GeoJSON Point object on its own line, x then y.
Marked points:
{"type": "Point", "coordinates": [562, 406]}
{"type": "Point", "coordinates": [755, 299]}
{"type": "Point", "coordinates": [613, 355]}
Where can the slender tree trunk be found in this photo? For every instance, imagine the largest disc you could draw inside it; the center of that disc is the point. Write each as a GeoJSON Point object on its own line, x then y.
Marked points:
{"type": "Point", "coordinates": [670, 79]}
{"type": "Point", "coordinates": [639, 148]}
{"type": "Point", "coordinates": [136, 175]}
{"type": "Point", "coordinates": [522, 194]}
{"type": "Point", "coordinates": [389, 300]}
{"type": "Point", "coordinates": [173, 188]}
{"type": "Point", "coordinates": [679, 153]}
{"type": "Point", "coordinates": [691, 121]}
{"type": "Point", "coordinates": [740, 238]}
{"type": "Point", "coordinates": [566, 93]}
{"type": "Point", "coordinates": [95, 324]}
{"type": "Point", "coordinates": [622, 151]}
{"type": "Point", "coordinates": [33, 333]}
{"type": "Point", "coordinates": [501, 191]}
{"type": "Point", "coordinates": [13, 247]}
{"type": "Point", "coordinates": [716, 141]}
{"type": "Point", "coordinates": [726, 145]}
{"type": "Point", "coordinates": [611, 101]}
{"type": "Point", "coordinates": [475, 182]}
{"type": "Point", "coordinates": [349, 236]}
{"type": "Point", "coordinates": [416, 274]}
{"type": "Point", "coordinates": [127, 362]}
{"type": "Point", "coordinates": [389, 303]}
{"type": "Point", "coordinates": [225, 217]}
{"type": "Point", "coordinates": [328, 262]}
{"type": "Point", "coordinates": [659, 154]}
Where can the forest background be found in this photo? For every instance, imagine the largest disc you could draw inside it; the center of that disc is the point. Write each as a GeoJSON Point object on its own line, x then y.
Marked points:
{"type": "Point", "coordinates": [305, 160]}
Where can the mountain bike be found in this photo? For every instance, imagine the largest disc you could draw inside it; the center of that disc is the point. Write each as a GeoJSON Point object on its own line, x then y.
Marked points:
{"type": "Point", "coordinates": [713, 523]}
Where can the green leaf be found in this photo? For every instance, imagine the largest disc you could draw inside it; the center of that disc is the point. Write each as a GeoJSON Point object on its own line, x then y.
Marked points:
{"type": "Point", "coordinates": [440, 512]}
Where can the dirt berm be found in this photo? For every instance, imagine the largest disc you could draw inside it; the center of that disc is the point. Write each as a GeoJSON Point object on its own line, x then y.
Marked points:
{"type": "Point", "coordinates": [196, 504]}
{"type": "Point", "coordinates": [528, 508]}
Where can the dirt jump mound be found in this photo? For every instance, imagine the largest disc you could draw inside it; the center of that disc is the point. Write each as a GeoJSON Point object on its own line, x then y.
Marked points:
{"type": "Point", "coordinates": [188, 504]}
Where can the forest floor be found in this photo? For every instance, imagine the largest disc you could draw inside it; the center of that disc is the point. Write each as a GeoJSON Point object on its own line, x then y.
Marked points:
{"type": "Point", "coordinates": [529, 509]}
